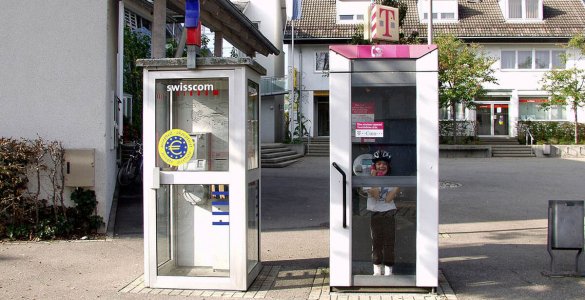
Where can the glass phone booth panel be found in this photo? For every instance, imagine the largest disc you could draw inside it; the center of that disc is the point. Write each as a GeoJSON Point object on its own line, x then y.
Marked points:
{"type": "Point", "coordinates": [391, 108]}
{"type": "Point", "coordinates": [202, 228]}
{"type": "Point", "coordinates": [385, 231]}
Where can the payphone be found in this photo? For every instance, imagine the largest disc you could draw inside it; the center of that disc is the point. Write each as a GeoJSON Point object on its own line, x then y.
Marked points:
{"type": "Point", "coordinates": [384, 218]}
{"type": "Point", "coordinates": [201, 173]}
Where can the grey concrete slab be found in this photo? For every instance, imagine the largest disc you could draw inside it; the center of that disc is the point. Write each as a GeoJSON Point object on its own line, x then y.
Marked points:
{"type": "Point", "coordinates": [494, 226]}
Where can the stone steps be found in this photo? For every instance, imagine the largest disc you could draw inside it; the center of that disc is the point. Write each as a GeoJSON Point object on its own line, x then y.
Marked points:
{"type": "Point", "coordinates": [318, 146]}
{"type": "Point", "coordinates": [278, 156]}
{"type": "Point", "coordinates": [512, 151]}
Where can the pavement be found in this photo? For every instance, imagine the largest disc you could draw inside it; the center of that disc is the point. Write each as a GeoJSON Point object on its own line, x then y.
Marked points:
{"type": "Point", "coordinates": [493, 240]}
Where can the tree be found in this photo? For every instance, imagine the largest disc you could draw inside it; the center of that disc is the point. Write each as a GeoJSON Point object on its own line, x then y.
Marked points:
{"type": "Point", "coordinates": [463, 69]}
{"type": "Point", "coordinates": [567, 86]}
{"type": "Point", "coordinates": [136, 46]}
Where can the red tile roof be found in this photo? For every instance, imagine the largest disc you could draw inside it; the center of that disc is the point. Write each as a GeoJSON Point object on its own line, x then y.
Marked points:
{"type": "Point", "coordinates": [481, 20]}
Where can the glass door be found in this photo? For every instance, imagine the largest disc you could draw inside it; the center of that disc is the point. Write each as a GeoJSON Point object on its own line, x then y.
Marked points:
{"type": "Point", "coordinates": [383, 198]}
{"type": "Point", "coordinates": [500, 119]}
{"type": "Point", "coordinates": [483, 115]}
{"type": "Point", "coordinates": [492, 119]}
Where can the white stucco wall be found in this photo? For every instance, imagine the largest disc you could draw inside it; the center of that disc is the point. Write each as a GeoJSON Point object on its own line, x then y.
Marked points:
{"type": "Point", "coordinates": [311, 79]}
{"type": "Point", "coordinates": [269, 16]}
{"type": "Point", "coordinates": [525, 82]}
{"type": "Point", "coordinates": [58, 78]}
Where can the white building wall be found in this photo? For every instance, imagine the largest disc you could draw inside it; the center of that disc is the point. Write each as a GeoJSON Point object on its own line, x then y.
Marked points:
{"type": "Point", "coordinates": [309, 79]}
{"type": "Point", "coordinates": [58, 78]}
{"type": "Point", "coordinates": [526, 83]}
{"type": "Point", "coordinates": [269, 16]}
{"type": "Point", "coordinates": [513, 83]}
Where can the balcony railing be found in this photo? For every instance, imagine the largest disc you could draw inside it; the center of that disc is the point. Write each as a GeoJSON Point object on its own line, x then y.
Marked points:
{"type": "Point", "coordinates": [273, 86]}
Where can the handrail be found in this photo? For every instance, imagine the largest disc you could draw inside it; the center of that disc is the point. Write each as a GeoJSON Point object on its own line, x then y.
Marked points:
{"type": "Point", "coordinates": [528, 133]}
{"type": "Point", "coordinates": [344, 193]}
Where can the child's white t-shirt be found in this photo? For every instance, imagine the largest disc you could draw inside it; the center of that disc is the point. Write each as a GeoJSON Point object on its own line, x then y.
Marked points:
{"type": "Point", "coordinates": [380, 204]}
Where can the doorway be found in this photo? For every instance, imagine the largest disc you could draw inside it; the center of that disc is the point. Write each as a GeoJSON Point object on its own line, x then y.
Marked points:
{"type": "Point", "coordinates": [322, 103]}
{"type": "Point", "coordinates": [492, 119]}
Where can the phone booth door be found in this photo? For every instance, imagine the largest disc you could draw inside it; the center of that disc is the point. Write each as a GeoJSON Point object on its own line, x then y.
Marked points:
{"type": "Point", "coordinates": [384, 166]}
{"type": "Point", "coordinates": [202, 178]}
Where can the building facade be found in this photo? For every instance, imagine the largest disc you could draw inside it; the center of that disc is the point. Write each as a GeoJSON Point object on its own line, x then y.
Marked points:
{"type": "Point", "coordinates": [525, 37]}
{"type": "Point", "coordinates": [62, 66]}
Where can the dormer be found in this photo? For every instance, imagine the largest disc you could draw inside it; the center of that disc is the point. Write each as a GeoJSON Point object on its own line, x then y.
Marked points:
{"type": "Point", "coordinates": [351, 11]}
{"type": "Point", "coordinates": [444, 11]}
{"type": "Point", "coordinates": [522, 10]}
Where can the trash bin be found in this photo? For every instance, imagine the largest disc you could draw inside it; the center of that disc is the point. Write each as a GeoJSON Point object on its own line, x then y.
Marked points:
{"type": "Point", "coordinates": [565, 227]}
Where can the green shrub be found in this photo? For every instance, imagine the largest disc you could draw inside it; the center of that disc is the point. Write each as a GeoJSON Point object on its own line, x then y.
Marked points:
{"type": "Point", "coordinates": [548, 132]}
{"type": "Point", "coordinates": [466, 132]}
{"type": "Point", "coordinates": [24, 215]}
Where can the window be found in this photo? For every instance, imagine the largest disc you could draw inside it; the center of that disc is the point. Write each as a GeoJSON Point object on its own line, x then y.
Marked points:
{"type": "Point", "coordinates": [542, 59]}
{"type": "Point", "coordinates": [531, 110]}
{"type": "Point", "coordinates": [515, 9]}
{"type": "Point", "coordinates": [558, 59]}
{"type": "Point", "coordinates": [508, 59]}
{"type": "Point", "coordinates": [524, 9]}
{"type": "Point", "coordinates": [322, 61]}
{"type": "Point", "coordinates": [440, 16]}
{"type": "Point", "coordinates": [443, 11]}
{"type": "Point", "coordinates": [532, 59]}
{"type": "Point", "coordinates": [524, 59]}
{"type": "Point", "coordinates": [346, 17]}
{"type": "Point", "coordinates": [447, 16]}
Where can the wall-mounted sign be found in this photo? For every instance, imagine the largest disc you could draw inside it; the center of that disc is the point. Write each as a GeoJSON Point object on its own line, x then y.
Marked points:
{"type": "Point", "coordinates": [176, 147]}
{"type": "Point", "coordinates": [369, 129]}
{"type": "Point", "coordinates": [361, 112]}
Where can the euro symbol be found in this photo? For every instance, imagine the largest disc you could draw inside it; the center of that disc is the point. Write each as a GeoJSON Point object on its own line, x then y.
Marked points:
{"type": "Point", "coordinates": [175, 147]}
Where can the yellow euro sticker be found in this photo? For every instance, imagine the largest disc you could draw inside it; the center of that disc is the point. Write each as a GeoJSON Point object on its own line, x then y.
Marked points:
{"type": "Point", "coordinates": [176, 147]}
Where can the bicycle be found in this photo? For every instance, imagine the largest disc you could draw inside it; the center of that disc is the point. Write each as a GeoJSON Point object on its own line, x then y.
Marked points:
{"type": "Point", "coordinates": [131, 169]}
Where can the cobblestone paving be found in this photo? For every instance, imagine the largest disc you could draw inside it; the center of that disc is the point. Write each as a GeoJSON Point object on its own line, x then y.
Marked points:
{"type": "Point", "coordinates": [275, 282]}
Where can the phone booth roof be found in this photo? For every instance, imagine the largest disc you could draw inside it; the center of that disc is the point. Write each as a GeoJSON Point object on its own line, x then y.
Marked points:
{"type": "Point", "coordinates": [382, 51]}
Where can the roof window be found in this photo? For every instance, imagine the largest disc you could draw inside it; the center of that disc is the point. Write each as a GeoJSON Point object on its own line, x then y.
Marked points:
{"type": "Point", "coordinates": [522, 10]}
{"type": "Point", "coordinates": [443, 11]}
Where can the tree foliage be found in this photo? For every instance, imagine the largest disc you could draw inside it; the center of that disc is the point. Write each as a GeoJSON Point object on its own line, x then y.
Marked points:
{"type": "Point", "coordinates": [136, 46]}
{"type": "Point", "coordinates": [567, 86]}
{"type": "Point", "coordinates": [463, 69]}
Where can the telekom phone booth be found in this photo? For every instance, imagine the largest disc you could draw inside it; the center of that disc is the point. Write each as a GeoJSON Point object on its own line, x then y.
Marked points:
{"type": "Point", "coordinates": [201, 173]}
{"type": "Point", "coordinates": [384, 166]}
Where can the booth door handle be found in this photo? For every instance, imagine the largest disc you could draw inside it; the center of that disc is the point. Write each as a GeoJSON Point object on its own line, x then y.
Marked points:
{"type": "Point", "coordinates": [343, 177]}
{"type": "Point", "coordinates": [156, 178]}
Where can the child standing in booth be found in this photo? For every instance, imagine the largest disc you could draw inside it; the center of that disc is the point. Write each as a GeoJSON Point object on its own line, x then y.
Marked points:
{"type": "Point", "coordinates": [381, 204]}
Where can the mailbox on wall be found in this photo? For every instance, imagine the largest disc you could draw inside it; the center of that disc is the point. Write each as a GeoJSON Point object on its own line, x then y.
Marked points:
{"type": "Point", "coordinates": [80, 167]}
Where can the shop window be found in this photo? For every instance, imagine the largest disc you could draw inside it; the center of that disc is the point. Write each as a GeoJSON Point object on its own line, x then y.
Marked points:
{"type": "Point", "coordinates": [531, 110]}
